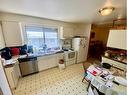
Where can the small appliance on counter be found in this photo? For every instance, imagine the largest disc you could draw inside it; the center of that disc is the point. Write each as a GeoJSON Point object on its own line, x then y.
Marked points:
{"type": "Point", "coordinates": [107, 53]}
{"type": "Point", "coordinates": [66, 44]}
{"type": "Point", "coordinates": [5, 53]}
{"type": "Point", "coordinates": [8, 52]}
{"type": "Point", "coordinates": [23, 50]}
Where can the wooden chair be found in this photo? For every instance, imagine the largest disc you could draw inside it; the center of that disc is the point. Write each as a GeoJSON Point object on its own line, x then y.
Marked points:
{"type": "Point", "coordinates": [85, 66]}
{"type": "Point", "coordinates": [92, 90]}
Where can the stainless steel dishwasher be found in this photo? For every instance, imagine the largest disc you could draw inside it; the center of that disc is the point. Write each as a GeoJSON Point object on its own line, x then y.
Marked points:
{"type": "Point", "coordinates": [28, 65]}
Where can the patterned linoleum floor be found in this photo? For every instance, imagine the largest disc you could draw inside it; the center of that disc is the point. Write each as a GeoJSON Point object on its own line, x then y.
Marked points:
{"type": "Point", "coordinates": [54, 82]}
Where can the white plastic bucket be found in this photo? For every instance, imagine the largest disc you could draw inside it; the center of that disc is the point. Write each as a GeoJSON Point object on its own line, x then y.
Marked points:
{"type": "Point", "coordinates": [61, 66]}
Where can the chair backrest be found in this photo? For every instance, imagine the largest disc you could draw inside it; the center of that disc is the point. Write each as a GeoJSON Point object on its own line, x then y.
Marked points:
{"type": "Point", "coordinates": [86, 65]}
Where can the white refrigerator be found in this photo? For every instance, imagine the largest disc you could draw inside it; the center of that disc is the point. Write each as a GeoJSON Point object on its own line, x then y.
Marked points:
{"type": "Point", "coordinates": [80, 45]}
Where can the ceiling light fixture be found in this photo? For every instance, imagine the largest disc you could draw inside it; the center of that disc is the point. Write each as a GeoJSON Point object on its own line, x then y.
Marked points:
{"type": "Point", "coordinates": [106, 10]}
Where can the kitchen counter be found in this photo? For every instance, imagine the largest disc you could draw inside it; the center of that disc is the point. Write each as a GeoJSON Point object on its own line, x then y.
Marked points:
{"type": "Point", "coordinates": [124, 62]}
{"type": "Point", "coordinates": [115, 63]}
{"type": "Point", "coordinates": [47, 54]}
{"type": "Point", "coordinates": [39, 55]}
{"type": "Point", "coordinates": [12, 61]}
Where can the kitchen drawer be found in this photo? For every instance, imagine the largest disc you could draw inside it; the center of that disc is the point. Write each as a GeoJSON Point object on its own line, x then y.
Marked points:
{"type": "Point", "coordinates": [106, 60]}
{"type": "Point", "coordinates": [120, 65]}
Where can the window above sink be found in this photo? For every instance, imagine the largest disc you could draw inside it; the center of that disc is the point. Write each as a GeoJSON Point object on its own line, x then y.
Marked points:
{"type": "Point", "coordinates": [43, 40]}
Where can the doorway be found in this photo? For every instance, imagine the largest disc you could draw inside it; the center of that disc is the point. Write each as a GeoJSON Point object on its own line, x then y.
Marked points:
{"type": "Point", "coordinates": [98, 41]}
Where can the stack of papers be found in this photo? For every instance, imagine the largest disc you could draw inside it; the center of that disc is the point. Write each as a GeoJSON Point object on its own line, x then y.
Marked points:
{"type": "Point", "coordinates": [93, 70]}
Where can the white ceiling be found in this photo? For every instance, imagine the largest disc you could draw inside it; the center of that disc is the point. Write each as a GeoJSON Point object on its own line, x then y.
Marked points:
{"type": "Point", "coordinates": [66, 10]}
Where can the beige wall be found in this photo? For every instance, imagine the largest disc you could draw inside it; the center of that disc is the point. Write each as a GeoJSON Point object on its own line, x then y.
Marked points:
{"type": "Point", "coordinates": [33, 20]}
{"type": "Point", "coordinates": [101, 34]}
{"type": "Point", "coordinates": [80, 29]}
{"type": "Point", "coordinates": [84, 30]}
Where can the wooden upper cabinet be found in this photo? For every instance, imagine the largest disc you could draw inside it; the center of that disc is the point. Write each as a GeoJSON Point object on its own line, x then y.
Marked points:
{"type": "Point", "coordinates": [66, 32]}
{"type": "Point", "coordinates": [117, 39]}
{"type": "Point", "coordinates": [2, 43]}
{"type": "Point", "coordinates": [13, 33]}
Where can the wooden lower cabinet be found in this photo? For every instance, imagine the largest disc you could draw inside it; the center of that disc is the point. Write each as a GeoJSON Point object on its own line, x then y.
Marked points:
{"type": "Point", "coordinates": [13, 74]}
{"type": "Point", "coordinates": [49, 61]}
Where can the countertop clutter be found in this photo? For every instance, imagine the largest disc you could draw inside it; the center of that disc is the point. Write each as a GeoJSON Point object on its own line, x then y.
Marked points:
{"type": "Point", "coordinates": [117, 55]}
{"type": "Point", "coordinates": [12, 61]}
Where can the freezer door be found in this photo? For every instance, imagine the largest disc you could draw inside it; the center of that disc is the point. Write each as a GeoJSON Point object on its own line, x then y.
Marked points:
{"type": "Point", "coordinates": [80, 45]}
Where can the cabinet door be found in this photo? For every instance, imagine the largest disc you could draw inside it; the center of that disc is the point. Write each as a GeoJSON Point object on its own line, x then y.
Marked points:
{"type": "Point", "coordinates": [2, 43]}
{"type": "Point", "coordinates": [47, 62]}
{"type": "Point", "coordinates": [16, 74]}
{"type": "Point", "coordinates": [117, 39]}
{"type": "Point", "coordinates": [13, 74]}
{"type": "Point", "coordinates": [66, 32]}
{"type": "Point", "coordinates": [11, 77]}
{"type": "Point", "coordinates": [12, 33]}
{"type": "Point", "coordinates": [52, 61]}
{"type": "Point", "coordinates": [42, 64]}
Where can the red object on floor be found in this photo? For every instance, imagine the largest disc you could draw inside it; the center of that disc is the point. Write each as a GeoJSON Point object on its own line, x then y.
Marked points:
{"type": "Point", "coordinates": [15, 51]}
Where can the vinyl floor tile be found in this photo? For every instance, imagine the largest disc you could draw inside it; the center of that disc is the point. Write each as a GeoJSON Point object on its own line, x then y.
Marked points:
{"type": "Point", "coordinates": [54, 82]}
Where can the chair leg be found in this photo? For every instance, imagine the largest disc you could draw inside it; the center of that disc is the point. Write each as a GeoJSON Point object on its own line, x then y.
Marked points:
{"type": "Point", "coordinates": [83, 78]}
{"type": "Point", "coordinates": [88, 86]}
